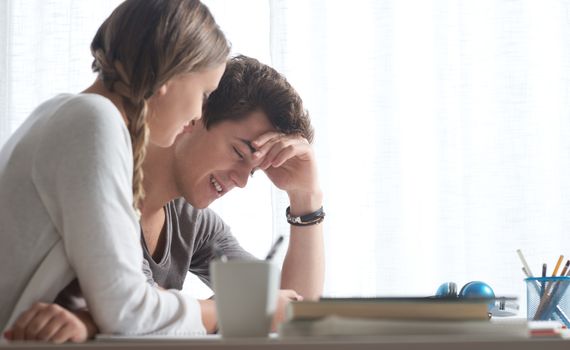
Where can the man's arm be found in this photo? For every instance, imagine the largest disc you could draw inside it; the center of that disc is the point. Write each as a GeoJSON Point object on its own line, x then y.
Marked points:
{"type": "Point", "coordinates": [303, 268]}
{"type": "Point", "coordinates": [289, 162]}
{"type": "Point", "coordinates": [209, 317]}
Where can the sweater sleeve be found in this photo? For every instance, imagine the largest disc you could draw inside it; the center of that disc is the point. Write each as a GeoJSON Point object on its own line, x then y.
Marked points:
{"type": "Point", "coordinates": [83, 174]}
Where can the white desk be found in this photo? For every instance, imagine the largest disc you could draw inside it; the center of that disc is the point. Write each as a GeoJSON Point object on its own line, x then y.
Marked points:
{"type": "Point", "coordinates": [355, 343]}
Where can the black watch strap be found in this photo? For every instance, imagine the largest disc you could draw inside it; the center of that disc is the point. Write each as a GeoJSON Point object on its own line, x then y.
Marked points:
{"type": "Point", "coordinates": [313, 218]}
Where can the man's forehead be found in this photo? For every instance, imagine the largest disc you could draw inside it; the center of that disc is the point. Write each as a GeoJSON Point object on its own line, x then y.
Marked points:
{"type": "Point", "coordinates": [247, 128]}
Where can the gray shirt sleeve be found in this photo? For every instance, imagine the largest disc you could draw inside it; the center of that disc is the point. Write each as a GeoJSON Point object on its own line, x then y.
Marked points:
{"type": "Point", "coordinates": [210, 231]}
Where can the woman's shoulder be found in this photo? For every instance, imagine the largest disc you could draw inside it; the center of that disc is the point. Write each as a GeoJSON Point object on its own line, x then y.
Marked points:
{"type": "Point", "coordinates": [85, 124]}
{"type": "Point", "coordinates": [89, 106]}
{"type": "Point", "coordinates": [80, 102]}
{"type": "Point", "coordinates": [90, 115]}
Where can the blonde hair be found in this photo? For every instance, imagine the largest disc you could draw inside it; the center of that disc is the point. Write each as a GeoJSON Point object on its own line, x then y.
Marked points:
{"type": "Point", "coordinates": [142, 45]}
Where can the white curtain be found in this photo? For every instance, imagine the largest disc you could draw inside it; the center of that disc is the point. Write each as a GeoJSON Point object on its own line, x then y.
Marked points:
{"type": "Point", "coordinates": [44, 50]}
{"type": "Point", "coordinates": [442, 136]}
{"type": "Point", "coordinates": [442, 127]}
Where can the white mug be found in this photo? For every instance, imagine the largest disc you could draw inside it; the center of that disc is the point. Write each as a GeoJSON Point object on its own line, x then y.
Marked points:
{"type": "Point", "coordinates": [246, 296]}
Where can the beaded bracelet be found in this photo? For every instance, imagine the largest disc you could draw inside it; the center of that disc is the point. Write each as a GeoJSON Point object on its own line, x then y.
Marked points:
{"type": "Point", "coordinates": [313, 218]}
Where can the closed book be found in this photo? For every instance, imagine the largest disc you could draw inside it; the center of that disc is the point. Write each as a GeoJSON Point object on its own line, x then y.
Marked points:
{"type": "Point", "coordinates": [343, 326]}
{"type": "Point", "coordinates": [407, 308]}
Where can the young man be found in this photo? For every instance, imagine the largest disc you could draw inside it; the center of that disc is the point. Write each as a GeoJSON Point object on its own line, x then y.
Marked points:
{"type": "Point", "coordinates": [254, 120]}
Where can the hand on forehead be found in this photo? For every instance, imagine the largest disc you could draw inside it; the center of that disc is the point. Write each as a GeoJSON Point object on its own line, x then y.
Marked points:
{"type": "Point", "coordinates": [274, 148]}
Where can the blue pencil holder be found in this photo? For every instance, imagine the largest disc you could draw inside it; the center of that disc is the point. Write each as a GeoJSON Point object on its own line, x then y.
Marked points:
{"type": "Point", "coordinates": [548, 298]}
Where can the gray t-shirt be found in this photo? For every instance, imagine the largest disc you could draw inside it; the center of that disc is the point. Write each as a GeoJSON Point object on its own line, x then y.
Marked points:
{"type": "Point", "coordinates": [190, 236]}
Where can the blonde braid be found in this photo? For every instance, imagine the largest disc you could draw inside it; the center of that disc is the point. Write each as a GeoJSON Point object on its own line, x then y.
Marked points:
{"type": "Point", "coordinates": [116, 80]}
{"type": "Point", "coordinates": [138, 129]}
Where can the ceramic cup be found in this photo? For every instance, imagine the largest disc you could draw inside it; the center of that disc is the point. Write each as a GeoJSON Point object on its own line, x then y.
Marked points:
{"type": "Point", "coordinates": [246, 296]}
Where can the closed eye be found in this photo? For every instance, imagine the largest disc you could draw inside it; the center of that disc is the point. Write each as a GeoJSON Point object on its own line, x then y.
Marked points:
{"type": "Point", "coordinates": [238, 153]}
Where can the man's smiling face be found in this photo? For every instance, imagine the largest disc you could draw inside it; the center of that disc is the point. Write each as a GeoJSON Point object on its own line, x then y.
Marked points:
{"type": "Point", "coordinates": [209, 163]}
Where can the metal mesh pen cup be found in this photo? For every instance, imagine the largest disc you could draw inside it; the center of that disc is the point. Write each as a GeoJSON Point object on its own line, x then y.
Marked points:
{"type": "Point", "coordinates": [548, 298]}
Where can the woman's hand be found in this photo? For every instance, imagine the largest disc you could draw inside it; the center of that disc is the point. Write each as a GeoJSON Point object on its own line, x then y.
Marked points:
{"type": "Point", "coordinates": [52, 323]}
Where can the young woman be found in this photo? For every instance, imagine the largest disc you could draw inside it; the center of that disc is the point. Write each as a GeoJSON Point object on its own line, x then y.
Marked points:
{"type": "Point", "coordinates": [71, 175]}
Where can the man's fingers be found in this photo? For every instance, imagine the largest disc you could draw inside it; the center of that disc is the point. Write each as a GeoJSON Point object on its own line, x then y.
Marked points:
{"type": "Point", "coordinates": [263, 151]}
{"type": "Point", "coordinates": [262, 139]}
{"type": "Point", "coordinates": [289, 152]}
{"type": "Point", "coordinates": [281, 146]}
{"type": "Point", "coordinates": [283, 156]}
{"type": "Point", "coordinates": [272, 148]}
{"type": "Point", "coordinates": [264, 142]}
{"type": "Point", "coordinates": [291, 294]}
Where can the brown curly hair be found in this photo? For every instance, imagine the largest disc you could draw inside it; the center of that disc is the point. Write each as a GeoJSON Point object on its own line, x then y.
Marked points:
{"type": "Point", "coordinates": [249, 85]}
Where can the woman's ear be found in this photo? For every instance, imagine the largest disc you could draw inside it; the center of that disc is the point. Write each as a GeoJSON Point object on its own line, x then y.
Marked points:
{"type": "Point", "coordinates": [188, 128]}
{"type": "Point", "coordinates": [161, 90]}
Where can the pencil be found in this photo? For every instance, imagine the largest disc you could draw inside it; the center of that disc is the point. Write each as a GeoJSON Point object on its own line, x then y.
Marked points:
{"type": "Point", "coordinates": [543, 282]}
{"type": "Point", "coordinates": [557, 265]}
{"type": "Point", "coordinates": [548, 293]}
{"type": "Point", "coordinates": [557, 309]}
{"type": "Point", "coordinates": [551, 283]}
{"type": "Point", "coordinates": [523, 260]}
{"type": "Point", "coordinates": [551, 301]}
{"type": "Point", "coordinates": [565, 269]}
{"type": "Point", "coordinates": [273, 249]}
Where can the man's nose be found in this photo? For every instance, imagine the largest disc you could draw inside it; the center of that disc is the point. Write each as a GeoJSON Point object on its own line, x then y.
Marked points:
{"type": "Point", "coordinates": [240, 177]}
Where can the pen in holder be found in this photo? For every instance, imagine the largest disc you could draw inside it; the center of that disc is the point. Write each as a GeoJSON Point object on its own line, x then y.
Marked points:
{"type": "Point", "coordinates": [548, 298]}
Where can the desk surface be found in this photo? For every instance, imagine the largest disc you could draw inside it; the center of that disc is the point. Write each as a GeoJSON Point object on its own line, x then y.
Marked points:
{"type": "Point", "coordinates": [352, 343]}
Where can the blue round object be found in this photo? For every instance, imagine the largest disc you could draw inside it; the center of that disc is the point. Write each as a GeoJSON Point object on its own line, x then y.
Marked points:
{"type": "Point", "coordinates": [478, 289]}
{"type": "Point", "coordinates": [447, 290]}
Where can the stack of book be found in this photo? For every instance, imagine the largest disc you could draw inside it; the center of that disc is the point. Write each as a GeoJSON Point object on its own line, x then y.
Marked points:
{"type": "Point", "coordinates": [396, 316]}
